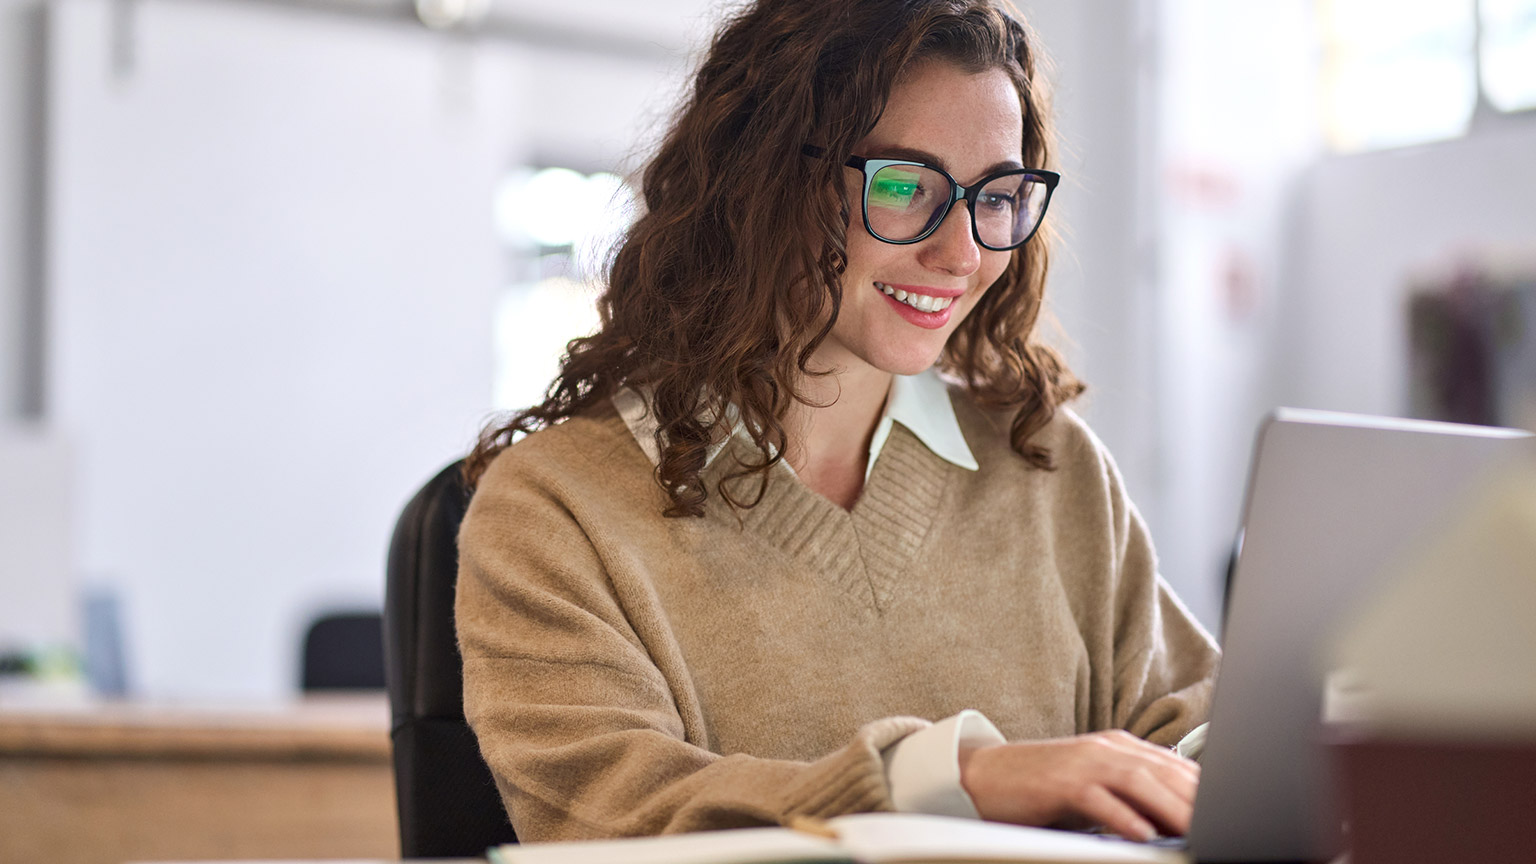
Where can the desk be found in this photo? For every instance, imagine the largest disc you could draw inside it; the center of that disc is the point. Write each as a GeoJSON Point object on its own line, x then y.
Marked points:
{"type": "Point", "coordinates": [109, 782]}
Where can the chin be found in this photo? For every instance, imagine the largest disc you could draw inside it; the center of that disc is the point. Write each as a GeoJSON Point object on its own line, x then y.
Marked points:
{"type": "Point", "coordinates": [914, 368]}
{"type": "Point", "coordinates": [909, 362]}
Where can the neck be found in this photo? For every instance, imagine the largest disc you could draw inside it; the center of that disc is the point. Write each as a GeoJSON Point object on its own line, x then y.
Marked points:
{"type": "Point", "coordinates": [829, 439]}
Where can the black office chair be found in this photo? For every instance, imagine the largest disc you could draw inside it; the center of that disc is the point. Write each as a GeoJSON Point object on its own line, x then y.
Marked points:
{"type": "Point", "coordinates": [448, 803]}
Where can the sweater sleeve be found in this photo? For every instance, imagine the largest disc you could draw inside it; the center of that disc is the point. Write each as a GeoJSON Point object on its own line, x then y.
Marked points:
{"type": "Point", "coordinates": [1164, 661]}
{"type": "Point", "coordinates": [585, 734]}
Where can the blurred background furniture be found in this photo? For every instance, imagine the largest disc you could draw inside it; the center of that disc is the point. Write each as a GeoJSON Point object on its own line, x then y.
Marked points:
{"type": "Point", "coordinates": [448, 802]}
{"type": "Point", "coordinates": [344, 651]}
{"type": "Point", "coordinates": [105, 782]}
{"type": "Point", "coordinates": [1472, 348]}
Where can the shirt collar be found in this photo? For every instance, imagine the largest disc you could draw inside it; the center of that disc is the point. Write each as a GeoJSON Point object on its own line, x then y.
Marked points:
{"type": "Point", "coordinates": [919, 402]}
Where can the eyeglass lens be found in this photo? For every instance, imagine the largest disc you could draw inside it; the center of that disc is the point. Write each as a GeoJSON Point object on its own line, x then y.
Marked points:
{"type": "Point", "coordinates": [904, 202]}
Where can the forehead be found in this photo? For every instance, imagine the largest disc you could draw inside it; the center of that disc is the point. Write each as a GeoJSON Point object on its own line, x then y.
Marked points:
{"type": "Point", "coordinates": [971, 121]}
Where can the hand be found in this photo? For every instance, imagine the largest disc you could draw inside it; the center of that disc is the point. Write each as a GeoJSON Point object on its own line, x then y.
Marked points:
{"type": "Point", "coordinates": [1114, 779]}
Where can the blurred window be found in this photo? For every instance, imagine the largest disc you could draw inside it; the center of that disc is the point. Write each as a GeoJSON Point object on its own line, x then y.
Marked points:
{"type": "Point", "coordinates": [1508, 53]}
{"type": "Point", "coordinates": [1397, 72]}
{"type": "Point", "coordinates": [558, 227]}
{"type": "Point", "coordinates": [534, 321]}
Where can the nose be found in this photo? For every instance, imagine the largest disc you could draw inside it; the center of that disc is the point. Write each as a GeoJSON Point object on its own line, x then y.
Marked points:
{"type": "Point", "coordinates": [952, 248]}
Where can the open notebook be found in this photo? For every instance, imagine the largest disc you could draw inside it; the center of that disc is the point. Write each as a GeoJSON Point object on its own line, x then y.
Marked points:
{"type": "Point", "coordinates": [868, 838]}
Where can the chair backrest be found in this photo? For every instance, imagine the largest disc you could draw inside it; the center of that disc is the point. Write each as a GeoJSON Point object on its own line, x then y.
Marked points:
{"type": "Point", "coordinates": [449, 806]}
{"type": "Point", "coordinates": [344, 651]}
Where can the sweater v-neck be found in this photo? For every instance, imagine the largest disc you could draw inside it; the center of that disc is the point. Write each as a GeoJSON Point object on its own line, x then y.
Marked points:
{"type": "Point", "coordinates": [863, 550]}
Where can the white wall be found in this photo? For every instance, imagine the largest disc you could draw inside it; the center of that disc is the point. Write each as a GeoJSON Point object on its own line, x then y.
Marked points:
{"type": "Point", "coordinates": [40, 608]}
{"type": "Point", "coordinates": [1365, 226]}
{"type": "Point", "coordinates": [1097, 289]}
{"type": "Point", "coordinates": [1236, 125]}
{"type": "Point", "coordinates": [272, 273]}
{"type": "Point", "coordinates": [268, 241]}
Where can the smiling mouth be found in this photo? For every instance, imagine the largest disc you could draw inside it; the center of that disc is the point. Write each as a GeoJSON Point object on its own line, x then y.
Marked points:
{"type": "Point", "coordinates": [920, 302]}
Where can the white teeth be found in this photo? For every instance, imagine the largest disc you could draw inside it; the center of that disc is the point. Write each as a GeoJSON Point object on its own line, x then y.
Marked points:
{"type": "Point", "coordinates": [920, 302]}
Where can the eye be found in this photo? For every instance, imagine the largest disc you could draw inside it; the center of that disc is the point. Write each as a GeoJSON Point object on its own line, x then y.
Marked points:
{"type": "Point", "coordinates": [906, 187]}
{"type": "Point", "coordinates": [1004, 196]}
{"type": "Point", "coordinates": [891, 188]}
{"type": "Point", "coordinates": [997, 202]}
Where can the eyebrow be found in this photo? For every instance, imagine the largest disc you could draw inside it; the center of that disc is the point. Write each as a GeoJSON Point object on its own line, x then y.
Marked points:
{"type": "Point", "coordinates": [913, 154]}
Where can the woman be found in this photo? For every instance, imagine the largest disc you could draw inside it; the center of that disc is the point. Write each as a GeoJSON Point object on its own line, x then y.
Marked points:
{"type": "Point", "coordinates": [754, 546]}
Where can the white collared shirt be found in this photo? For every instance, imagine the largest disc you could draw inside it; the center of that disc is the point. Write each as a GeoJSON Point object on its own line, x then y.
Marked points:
{"type": "Point", "coordinates": [923, 769]}
{"type": "Point", "coordinates": [919, 402]}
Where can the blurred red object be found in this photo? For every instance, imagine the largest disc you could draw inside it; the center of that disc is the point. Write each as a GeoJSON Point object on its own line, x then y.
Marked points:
{"type": "Point", "coordinates": [1411, 800]}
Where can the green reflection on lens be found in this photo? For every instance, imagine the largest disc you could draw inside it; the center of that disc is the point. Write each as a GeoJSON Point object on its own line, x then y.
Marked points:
{"type": "Point", "coordinates": [893, 188]}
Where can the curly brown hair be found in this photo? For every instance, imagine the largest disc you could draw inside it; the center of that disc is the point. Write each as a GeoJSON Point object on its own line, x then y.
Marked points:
{"type": "Point", "coordinates": [721, 292]}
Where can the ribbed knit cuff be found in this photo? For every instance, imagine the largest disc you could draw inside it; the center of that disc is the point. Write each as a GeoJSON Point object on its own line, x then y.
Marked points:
{"type": "Point", "coordinates": [852, 780]}
{"type": "Point", "coordinates": [923, 768]}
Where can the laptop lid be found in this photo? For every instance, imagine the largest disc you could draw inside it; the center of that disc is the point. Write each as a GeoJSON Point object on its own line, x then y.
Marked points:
{"type": "Point", "coordinates": [1332, 499]}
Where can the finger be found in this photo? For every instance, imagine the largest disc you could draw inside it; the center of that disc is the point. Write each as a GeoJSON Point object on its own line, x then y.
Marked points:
{"type": "Point", "coordinates": [1150, 793]}
{"type": "Point", "coordinates": [1105, 808]}
{"type": "Point", "coordinates": [1125, 747]}
{"type": "Point", "coordinates": [1167, 760]}
{"type": "Point", "coordinates": [1177, 777]}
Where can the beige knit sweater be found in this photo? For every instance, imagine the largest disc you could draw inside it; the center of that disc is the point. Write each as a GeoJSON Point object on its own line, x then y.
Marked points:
{"type": "Point", "coordinates": [631, 674]}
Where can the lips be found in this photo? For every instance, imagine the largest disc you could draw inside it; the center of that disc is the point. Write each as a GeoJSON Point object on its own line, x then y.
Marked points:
{"type": "Point", "coordinates": [920, 302]}
{"type": "Point", "coordinates": [928, 311]}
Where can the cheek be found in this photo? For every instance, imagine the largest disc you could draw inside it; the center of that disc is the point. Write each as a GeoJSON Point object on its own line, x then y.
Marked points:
{"type": "Point", "coordinates": [865, 253]}
{"type": "Point", "coordinates": [993, 265]}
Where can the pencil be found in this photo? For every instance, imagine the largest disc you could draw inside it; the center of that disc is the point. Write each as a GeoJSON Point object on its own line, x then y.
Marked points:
{"type": "Point", "coordinates": [813, 826]}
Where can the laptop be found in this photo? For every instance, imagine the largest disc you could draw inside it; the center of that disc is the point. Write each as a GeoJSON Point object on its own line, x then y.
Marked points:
{"type": "Point", "coordinates": [1333, 501]}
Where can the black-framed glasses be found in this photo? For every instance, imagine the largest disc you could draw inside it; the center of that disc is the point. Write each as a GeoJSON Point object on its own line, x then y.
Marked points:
{"type": "Point", "coordinates": [905, 201]}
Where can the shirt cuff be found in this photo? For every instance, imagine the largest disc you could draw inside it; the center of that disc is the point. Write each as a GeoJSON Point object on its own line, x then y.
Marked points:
{"type": "Point", "coordinates": [923, 769]}
{"type": "Point", "coordinates": [1191, 746]}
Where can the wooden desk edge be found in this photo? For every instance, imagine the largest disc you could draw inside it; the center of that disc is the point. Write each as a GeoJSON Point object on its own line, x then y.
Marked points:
{"type": "Point", "coordinates": [43, 738]}
{"type": "Point", "coordinates": [326, 728]}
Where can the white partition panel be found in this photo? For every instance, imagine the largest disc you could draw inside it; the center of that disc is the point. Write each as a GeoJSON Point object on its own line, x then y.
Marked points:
{"type": "Point", "coordinates": [271, 274]}
{"type": "Point", "coordinates": [37, 585]}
